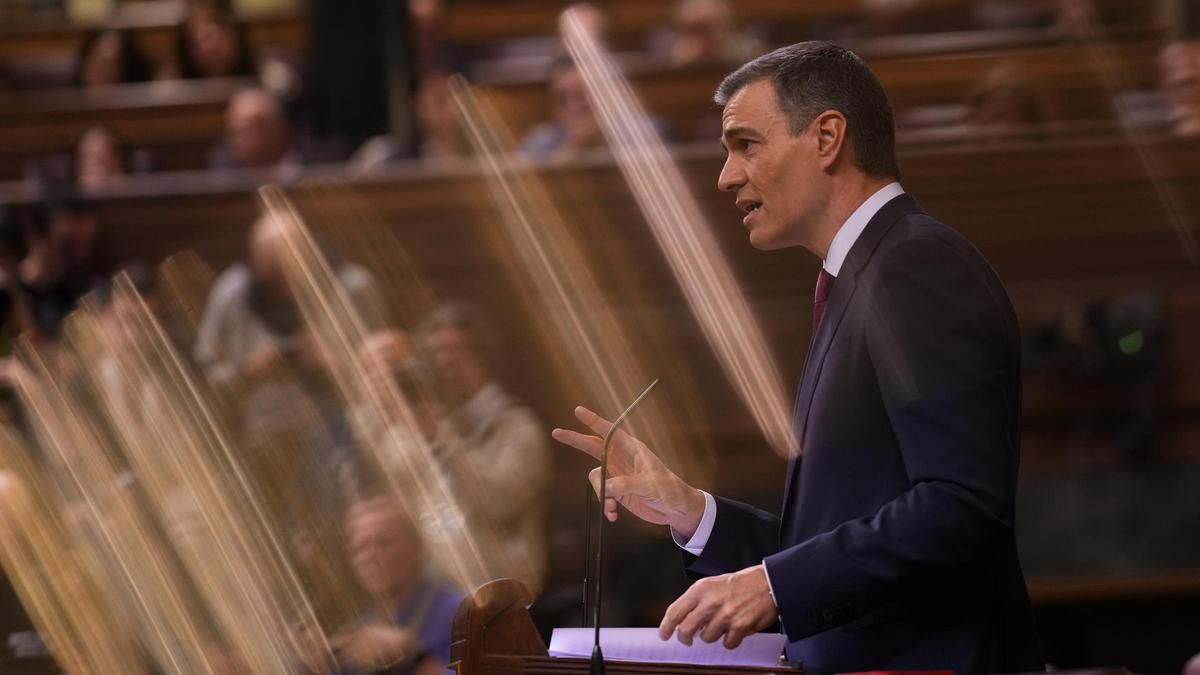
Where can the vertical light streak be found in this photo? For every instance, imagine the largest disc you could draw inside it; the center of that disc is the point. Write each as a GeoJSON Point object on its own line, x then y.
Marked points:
{"type": "Point", "coordinates": [399, 450]}
{"type": "Point", "coordinates": [122, 535]}
{"type": "Point", "coordinates": [566, 295]}
{"type": "Point", "coordinates": [52, 577]}
{"type": "Point", "coordinates": [684, 235]}
{"type": "Point", "coordinates": [181, 454]}
{"type": "Point", "coordinates": [1115, 78]}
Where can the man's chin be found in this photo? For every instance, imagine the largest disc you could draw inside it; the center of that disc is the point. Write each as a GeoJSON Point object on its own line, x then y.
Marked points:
{"type": "Point", "coordinates": [763, 241]}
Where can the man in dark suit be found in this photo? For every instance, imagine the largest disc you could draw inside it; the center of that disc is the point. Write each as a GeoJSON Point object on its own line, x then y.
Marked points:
{"type": "Point", "coordinates": [895, 547]}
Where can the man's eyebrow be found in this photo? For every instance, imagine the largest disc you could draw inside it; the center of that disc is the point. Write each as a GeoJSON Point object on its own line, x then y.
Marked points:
{"type": "Point", "coordinates": [730, 132]}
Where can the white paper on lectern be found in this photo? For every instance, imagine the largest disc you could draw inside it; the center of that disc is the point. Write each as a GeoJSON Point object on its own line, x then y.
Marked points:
{"type": "Point", "coordinates": [643, 644]}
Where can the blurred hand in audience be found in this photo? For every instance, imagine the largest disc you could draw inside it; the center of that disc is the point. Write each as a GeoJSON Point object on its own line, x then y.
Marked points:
{"type": "Point", "coordinates": [637, 479]}
{"type": "Point", "coordinates": [376, 646]}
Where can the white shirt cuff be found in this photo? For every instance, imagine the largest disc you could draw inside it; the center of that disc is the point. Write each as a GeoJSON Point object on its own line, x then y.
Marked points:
{"type": "Point", "coordinates": [696, 544]}
{"type": "Point", "coordinates": [770, 586]}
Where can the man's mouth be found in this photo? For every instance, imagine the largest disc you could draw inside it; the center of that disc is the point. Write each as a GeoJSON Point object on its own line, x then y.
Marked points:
{"type": "Point", "coordinates": [751, 208]}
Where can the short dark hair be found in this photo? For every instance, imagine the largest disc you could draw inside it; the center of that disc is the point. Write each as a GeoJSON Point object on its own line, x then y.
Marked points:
{"type": "Point", "coordinates": [812, 77]}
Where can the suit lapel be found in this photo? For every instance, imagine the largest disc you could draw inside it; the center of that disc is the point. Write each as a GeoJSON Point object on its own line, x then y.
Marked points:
{"type": "Point", "coordinates": [839, 299]}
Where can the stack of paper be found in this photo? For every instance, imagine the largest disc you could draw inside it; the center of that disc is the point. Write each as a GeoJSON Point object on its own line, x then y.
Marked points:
{"type": "Point", "coordinates": [643, 644]}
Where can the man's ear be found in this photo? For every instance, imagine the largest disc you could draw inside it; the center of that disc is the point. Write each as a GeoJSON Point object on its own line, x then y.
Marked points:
{"type": "Point", "coordinates": [829, 129]}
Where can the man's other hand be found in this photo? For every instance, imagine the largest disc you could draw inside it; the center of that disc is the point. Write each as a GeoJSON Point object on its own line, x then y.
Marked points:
{"type": "Point", "coordinates": [734, 605]}
{"type": "Point", "coordinates": [637, 479]}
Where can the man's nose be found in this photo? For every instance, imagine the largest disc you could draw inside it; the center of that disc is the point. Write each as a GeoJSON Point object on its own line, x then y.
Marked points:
{"type": "Point", "coordinates": [732, 177]}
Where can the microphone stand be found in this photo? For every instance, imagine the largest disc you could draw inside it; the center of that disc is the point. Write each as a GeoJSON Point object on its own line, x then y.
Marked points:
{"type": "Point", "coordinates": [597, 665]}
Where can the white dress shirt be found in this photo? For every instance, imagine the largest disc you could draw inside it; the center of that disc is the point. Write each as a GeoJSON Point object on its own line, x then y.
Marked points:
{"type": "Point", "coordinates": [842, 242]}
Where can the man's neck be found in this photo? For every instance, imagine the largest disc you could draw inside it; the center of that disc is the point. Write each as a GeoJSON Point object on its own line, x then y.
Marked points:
{"type": "Point", "coordinates": [845, 198]}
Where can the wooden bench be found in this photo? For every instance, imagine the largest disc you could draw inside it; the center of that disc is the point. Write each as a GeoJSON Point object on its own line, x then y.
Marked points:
{"type": "Point", "coordinates": [48, 38]}
{"type": "Point", "coordinates": [1067, 77]}
{"type": "Point", "coordinates": [177, 120]}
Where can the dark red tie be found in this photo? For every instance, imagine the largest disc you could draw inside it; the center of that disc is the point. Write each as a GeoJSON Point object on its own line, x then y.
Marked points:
{"type": "Point", "coordinates": [824, 284]}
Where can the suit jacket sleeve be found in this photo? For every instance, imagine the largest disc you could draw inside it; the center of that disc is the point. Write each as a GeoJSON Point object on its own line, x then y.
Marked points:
{"type": "Point", "coordinates": [741, 536]}
{"type": "Point", "coordinates": [941, 344]}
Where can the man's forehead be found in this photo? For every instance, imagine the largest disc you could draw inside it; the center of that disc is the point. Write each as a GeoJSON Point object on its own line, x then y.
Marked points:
{"type": "Point", "coordinates": [752, 106]}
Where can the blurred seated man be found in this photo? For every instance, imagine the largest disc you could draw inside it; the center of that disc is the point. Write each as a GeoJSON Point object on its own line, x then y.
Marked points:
{"type": "Point", "coordinates": [410, 632]}
{"type": "Point", "coordinates": [251, 342]}
{"type": "Point", "coordinates": [573, 127]}
{"type": "Point", "coordinates": [704, 31]}
{"type": "Point", "coordinates": [257, 137]}
{"type": "Point", "coordinates": [1179, 82]}
{"type": "Point", "coordinates": [503, 452]}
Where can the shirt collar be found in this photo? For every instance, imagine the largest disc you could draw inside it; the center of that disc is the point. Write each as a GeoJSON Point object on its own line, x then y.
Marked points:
{"type": "Point", "coordinates": [855, 224]}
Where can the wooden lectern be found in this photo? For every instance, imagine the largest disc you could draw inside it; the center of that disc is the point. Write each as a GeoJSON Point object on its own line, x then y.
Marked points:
{"type": "Point", "coordinates": [494, 635]}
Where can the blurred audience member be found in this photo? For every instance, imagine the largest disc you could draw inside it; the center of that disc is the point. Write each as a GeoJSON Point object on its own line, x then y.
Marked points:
{"type": "Point", "coordinates": [573, 126]}
{"type": "Point", "coordinates": [437, 118]}
{"type": "Point", "coordinates": [411, 631]}
{"type": "Point", "coordinates": [99, 159]}
{"type": "Point", "coordinates": [1005, 105]}
{"type": "Point", "coordinates": [211, 42]}
{"type": "Point", "coordinates": [429, 42]}
{"type": "Point", "coordinates": [1179, 81]}
{"type": "Point", "coordinates": [704, 31]}
{"type": "Point", "coordinates": [257, 137]}
{"type": "Point", "coordinates": [503, 451]}
{"type": "Point", "coordinates": [252, 341]}
{"type": "Point", "coordinates": [110, 57]}
{"type": "Point", "coordinates": [48, 264]}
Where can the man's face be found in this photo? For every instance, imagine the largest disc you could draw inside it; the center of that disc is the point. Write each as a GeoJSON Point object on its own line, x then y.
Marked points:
{"type": "Point", "coordinates": [254, 132]}
{"type": "Point", "coordinates": [385, 548]}
{"type": "Point", "coordinates": [457, 360]}
{"type": "Point", "coordinates": [775, 175]}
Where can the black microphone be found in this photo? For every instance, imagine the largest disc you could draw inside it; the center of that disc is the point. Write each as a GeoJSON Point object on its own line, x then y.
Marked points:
{"type": "Point", "coordinates": [597, 667]}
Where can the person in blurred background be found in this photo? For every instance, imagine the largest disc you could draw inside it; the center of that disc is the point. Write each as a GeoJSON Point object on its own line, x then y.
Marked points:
{"type": "Point", "coordinates": [1004, 105]}
{"type": "Point", "coordinates": [109, 57]}
{"type": "Point", "coordinates": [503, 450]}
{"type": "Point", "coordinates": [257, 137]}
{"type": "Point", "coordinates": [252, 342]}
{"type": "Point", "coordinates": [99, 159]}
{"type": "Point", "coordinates": [573, 127]}
{"type": "Point", "coordinates": [705, 31]}
{"type": "Point", "coordinates": [410, 632]}
{"type": "Point", "coordinates": [49, 262]}
{"type": "Point", "coordinates": [1179, 82]}
{"type": "Point", "coordinates": [211, 42]}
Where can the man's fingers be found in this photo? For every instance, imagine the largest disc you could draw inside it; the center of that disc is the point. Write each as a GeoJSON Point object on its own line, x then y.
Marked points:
{"type": "Point", "coordinates": [610, 500]}
{"type": "Point", "coordinates": [599, 425]}
{"type": "Point", "coordinates": [716, 626]}
{"type": "Point", "coordinates": [589, 444]}
{"type": "Point", "coordinates": [676, 613]}
{"type": "Point", "coordinates": [734, 636]}
{"type": "Point", "coordinates": [593, 421]}
{"type": "Point", "coordinates": [697, 619]}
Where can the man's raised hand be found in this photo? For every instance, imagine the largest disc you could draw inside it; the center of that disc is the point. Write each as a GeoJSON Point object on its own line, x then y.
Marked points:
{"type": "Point", "coordinates": [637, 479]}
